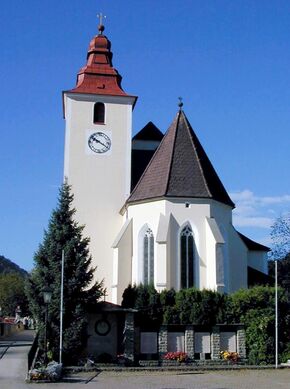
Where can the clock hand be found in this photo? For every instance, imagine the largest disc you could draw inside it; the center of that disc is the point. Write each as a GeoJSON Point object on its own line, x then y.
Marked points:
{"type": "Point", "coordinates": [97, 140]}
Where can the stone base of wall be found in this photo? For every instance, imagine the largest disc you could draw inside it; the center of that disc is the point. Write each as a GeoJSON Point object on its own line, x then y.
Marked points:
{"type": "Point", "coordinates": [8, 329]}
{"type": "Point", "coordinates": [197, 363]}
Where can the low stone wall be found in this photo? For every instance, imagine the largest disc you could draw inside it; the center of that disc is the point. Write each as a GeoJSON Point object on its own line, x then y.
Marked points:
{"type": "Point", "coordinates": [198, 342]}
{"type": "Point", "coordinates": [194, 363]}
{"type": "Point", "coordinates": [7, 329]}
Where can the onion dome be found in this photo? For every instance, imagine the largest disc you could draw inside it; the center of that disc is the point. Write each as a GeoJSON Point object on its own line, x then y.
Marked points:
{"type": "Point", "coordinates": [99, 76]}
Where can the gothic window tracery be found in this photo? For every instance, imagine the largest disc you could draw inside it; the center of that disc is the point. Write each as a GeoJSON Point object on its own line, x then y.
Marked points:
{"type": "Point", "coordinates": [148, 257]}
{"type": "Point", "coordinates": [187, 259]}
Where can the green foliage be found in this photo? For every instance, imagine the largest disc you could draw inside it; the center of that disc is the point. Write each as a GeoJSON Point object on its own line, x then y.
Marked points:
{"type": "Point", "coordinates": [168, 297]}
{"type": "Point", "coordinates": [129, 297]}
{"type": "Point", "coordinates": [12, 294]}
{"type": "Point", "coordinates": [255, 308]}
{"type": "Point", "coordinates": [170, 307]}
{"type": "Point", "coordinates": [200, 306]}
{"type": "Point", "coordinates": [63, 234]}
{"type": "Point", "coordinates": [146, 300]}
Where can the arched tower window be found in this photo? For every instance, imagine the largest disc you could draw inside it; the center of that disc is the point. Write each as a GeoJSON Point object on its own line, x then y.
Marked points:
{"type": "Point", "coordinates": [148, 257]}
{"type": "Point", "coordinates": [99, 113]}
{"type": "Point", "coordinates": [186, 257]}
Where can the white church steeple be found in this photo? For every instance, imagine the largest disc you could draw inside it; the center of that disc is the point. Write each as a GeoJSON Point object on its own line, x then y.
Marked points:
{"type": "Point", "coordinates": [98, 116]}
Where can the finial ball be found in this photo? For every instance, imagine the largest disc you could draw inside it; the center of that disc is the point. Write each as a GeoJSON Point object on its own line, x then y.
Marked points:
{"type": "Point", "coordinates": [101, 28]}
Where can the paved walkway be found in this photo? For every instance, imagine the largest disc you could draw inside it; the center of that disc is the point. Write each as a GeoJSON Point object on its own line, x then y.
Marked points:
{"type": "Point", "coordinates": [13, 364]}
{"type": "Point", "coordinates": [243, 379]}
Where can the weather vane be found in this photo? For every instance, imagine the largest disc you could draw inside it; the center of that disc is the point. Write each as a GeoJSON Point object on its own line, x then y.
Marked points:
{"type": "Point", "coordinates": [101, 26]}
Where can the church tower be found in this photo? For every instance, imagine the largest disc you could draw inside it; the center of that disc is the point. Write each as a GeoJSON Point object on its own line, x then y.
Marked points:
{"type": "Point", "coordinates": [98, 115]}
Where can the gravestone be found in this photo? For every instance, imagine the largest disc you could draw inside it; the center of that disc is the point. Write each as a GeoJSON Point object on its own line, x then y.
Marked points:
{"type": "Point", "coordinates": [228, 341]}
{"type": "Point", "coordinates": [202, 342]}
{"type": "Point", "coordinates": [148, 344]}
{"type": "Point", "coordinates": [175, 341]}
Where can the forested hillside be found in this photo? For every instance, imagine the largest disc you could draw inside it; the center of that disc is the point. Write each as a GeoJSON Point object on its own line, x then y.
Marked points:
{"type": "Point", "coordinates": [7, 266]}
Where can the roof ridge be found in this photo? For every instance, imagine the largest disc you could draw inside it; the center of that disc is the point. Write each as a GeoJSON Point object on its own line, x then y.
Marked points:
{"type": "Point", "coordinates": [147, 167]}
{"type": "Point", "coordinates": [179, 168]}
{"type": "Point", "coordinates": [172, 150]}
{"type": "Point", "coordinates": [190, 131]}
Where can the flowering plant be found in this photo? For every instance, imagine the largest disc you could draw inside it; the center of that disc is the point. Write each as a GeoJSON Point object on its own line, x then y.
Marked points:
{"type": "Point", "coordinates": [229, 356]}
{"type": "Point", "coordinates": [178, 356]}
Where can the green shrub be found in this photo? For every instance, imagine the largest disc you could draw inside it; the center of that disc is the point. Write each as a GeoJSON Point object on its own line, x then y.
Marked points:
{"type": "Point", "coordinates": [255, 308]}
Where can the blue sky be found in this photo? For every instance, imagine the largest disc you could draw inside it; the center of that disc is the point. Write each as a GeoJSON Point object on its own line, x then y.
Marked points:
{"type": "Point", "coordinates": [229, 60]}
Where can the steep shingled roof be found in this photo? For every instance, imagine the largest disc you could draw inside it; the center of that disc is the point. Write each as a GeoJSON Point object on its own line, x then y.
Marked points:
{"type": "Point", "coordinates": [149, 132]}
{"type": "Point", "coordinates": [252, 245]}
{"type": "Point", "coordinates": [180, 168]}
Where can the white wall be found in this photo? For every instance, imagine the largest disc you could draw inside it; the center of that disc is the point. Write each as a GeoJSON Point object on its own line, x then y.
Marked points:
{"type": "Point", "coordinates": [238, 262]}
{"type": "Point", "coordinates": [122, 265]}
{"type": "Point", "coordinates": [167, 253]}
{"type": "Point", "coordinates": [100, 182]}
{"type": "Point", "coordinates": [145, 213]}
{"type": "Point", "coordinates": [258, 260]}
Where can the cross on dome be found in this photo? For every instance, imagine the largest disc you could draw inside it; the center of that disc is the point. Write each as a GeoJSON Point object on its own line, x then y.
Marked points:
{"type": "Point", "coordinates": [101, 26]}
{"type": "Point", "coordinates": [180, 104]}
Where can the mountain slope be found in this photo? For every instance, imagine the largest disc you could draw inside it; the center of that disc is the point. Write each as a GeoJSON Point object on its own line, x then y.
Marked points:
{"type": "Point", "coordinates": [7, 266]}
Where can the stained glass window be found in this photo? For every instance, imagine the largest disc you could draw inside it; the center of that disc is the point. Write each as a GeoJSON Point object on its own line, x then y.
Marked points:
{"type": "Point", "coordinates": [186, 257]}
{"type": "Point", "coordinates": [148, 263]}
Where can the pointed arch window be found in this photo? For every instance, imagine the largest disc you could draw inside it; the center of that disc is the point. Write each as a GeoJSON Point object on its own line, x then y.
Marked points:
{"type": "Point", "coordinates": [99, 113]}
{"type": "Point", "coordinates": [220, 272]}
{"type": "Point", "coordinates": [148, 257]}
{"type": "Point", "coordinates": [186, 257]}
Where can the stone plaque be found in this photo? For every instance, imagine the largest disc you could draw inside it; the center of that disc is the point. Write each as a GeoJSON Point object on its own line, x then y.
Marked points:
{"type": "Point", "coordinates": [148, 344]}
{"type": "Point", "coordinates": [175, 341]}
{"type": "Point", "coordinates": [202, 342]}
{"type": "Point", "coordinates": [228, 341]}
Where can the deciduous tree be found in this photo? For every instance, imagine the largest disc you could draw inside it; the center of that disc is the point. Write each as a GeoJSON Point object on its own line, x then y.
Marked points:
{"type": "Point", "coordinates": [12, 294]}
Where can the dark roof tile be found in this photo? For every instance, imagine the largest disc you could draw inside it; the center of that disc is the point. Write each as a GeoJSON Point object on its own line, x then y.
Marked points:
{"type": "Point", "coordinates": [180, 168]}
{"type": "Point", "coordinates": [149, 132]}
{"type": "Point", "coordinates": [252, 245]}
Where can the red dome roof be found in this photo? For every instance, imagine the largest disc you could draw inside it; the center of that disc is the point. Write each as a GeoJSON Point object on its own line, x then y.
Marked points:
{"type": "Point", "coordinates": [99, 76]}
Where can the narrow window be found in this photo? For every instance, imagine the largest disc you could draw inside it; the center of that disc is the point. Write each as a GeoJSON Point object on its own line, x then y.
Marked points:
{"type": "Point", "coordinates": [99, 113]}
{"type": "Point", "coordinates": [186, 258]}
{"type": "Point", "coordinates": [148, 257]}
{"type": "Point", "coordinates": [220, 265]}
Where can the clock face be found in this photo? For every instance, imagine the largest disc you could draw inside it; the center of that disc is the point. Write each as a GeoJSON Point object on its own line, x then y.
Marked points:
{"type": "Point", "coordinates": [102, 327]}
{"type": "Point", "coordinates": [99, 142]}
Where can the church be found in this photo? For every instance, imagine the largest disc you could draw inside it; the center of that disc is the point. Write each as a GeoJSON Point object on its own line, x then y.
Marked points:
{"type": "Point", "coordinates": [153, 206]}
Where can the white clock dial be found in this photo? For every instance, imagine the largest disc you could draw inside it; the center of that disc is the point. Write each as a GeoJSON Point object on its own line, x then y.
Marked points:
{"type": "Point", "coordinates": [99, 142]}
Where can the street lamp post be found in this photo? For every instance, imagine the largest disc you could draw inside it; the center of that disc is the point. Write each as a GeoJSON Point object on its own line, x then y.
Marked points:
{"type": "Point", "coordinates": [47, 292]}
{"type": "Point", "coordinates": [276, 314]}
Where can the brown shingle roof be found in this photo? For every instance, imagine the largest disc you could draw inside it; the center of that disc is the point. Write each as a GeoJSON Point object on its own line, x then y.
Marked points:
{"type": "Point", "coordinates": [180, 168]}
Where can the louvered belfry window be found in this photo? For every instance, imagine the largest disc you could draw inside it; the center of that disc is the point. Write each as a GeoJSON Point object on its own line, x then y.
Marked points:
{"type": "Point", "coordinates": [148, 269]}
{"type": "Point", "coordinates": [186, 257]}
{"type": "Point", "coordinates": [99, 113]}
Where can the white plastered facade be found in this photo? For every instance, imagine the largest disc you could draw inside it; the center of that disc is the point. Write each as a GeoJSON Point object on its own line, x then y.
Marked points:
{"type": "Point", "coordinates": [101, 185]}
{"type": "Point", "coordinates": [100, 182]}
{"type": "Point", "coordinates": [215, 240]}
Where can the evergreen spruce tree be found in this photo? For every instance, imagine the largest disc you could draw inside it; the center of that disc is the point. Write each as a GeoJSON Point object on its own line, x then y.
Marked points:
{"type": "Point", "coordinates": [63, 233]}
